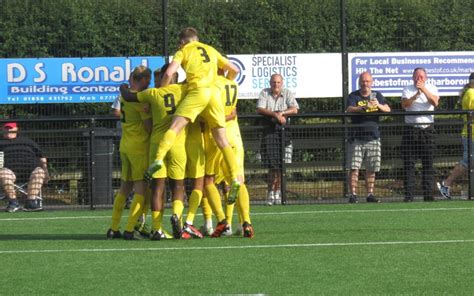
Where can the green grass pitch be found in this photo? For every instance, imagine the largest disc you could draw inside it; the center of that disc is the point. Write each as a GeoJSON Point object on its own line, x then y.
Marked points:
{"type": "Point", "coordinates": [377, 249]}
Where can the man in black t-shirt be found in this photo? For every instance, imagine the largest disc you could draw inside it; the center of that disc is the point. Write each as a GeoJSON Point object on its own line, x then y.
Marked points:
{"type": "Point", "coordinates": [364, 137]}
{"type": "Point", "coordinates": [22, 161]}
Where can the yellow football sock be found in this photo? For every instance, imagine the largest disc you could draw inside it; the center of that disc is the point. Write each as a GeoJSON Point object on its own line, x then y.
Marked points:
{"type": "Point", "coordinates": [157, 217]}
{"type": "Point", "coordinates": [165, 144]}
{"type": "Point", "coordinates": [194, 201]}
{"type": "Point", "coordinates": [215, 201]}
{"type": "Point", "coordinates": [135, 211]}
{"type": "Point", "coordinates": [178, 208]}
{"type": "Point", "coordinates": [243, 203]}
{"type": "Point", "coordinates": [229, 211]}
{"type": "Point", "coordinates": [119, 204]}
{"type": "Point", "coordinates": [230, 161]}
{"type": "Point", "coordinates": [206, 209]}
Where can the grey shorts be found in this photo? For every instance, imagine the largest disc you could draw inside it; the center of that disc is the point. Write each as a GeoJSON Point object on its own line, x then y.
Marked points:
{"type": "Point", "coordinates": [368, 152]}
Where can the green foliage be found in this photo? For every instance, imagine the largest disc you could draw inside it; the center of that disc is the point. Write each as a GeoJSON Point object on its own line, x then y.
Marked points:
{"type": "Point", "coordinates": [95, 28]}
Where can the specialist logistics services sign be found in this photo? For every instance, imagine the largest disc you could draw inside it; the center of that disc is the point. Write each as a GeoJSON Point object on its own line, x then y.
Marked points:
{"type": "Point", "coordinates": [307, 75]}
{"type": "Point", "coordinates": [391, 72]}
{"type": "Point", "coordinates": [67, 80]}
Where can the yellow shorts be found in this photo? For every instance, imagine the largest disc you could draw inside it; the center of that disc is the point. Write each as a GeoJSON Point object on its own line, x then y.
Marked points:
{"type": "Point", "coordinates": [204, 101]}
{"type": "Point", "coordinates": [133, 166]}
{"type": "Point", "coordinates": [174, 164]}
{"type": "Point", "coordinates": [195, 151]}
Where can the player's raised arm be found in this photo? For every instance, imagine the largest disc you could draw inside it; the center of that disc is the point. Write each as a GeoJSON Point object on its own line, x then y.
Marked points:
{"type": "Point", "coordinates": [169, 73]}
{"type": "Point", "coordinates": [232, 70]}
{"type": "Point", "coordinates": [126, 94]}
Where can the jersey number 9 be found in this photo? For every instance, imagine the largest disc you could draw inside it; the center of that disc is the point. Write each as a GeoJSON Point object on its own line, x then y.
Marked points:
{"type": "Point", "coordinates": [169, 103]}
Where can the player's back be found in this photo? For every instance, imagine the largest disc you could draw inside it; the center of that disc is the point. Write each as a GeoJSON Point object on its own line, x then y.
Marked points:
{"type": "Point", "coordinates": [200, 62]}
{"type": "Point", "coordinates": [134, 136]}
{"type": "Point", "coordinates": [163, 102]}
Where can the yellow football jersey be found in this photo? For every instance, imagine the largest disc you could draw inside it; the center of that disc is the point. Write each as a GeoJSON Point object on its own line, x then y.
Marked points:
{"type": "Point", "coordinates": [134, 139]}
{"type": "Point", "coordinates": [200, 62]}
{"type": "Point", "coordinates": [467, 104]}
{"type": "Point", "coordinates": [163, 102]}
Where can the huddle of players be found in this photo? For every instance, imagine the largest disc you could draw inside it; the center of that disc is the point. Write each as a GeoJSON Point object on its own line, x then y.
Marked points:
{"type": "Point", "coordinates": [188, 151]}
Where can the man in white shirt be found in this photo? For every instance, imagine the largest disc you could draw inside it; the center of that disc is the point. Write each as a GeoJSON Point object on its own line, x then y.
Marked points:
{"type": "Point", "coordinates": [418, 135]}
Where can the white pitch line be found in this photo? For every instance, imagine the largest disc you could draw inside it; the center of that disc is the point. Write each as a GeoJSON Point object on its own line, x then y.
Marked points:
{"type": "Point", "coordinates": [255, 214]}
{"type": "Point", "coordinates": [194, 248]}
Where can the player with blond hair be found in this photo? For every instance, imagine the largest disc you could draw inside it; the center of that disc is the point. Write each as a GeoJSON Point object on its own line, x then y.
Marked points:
{"type": "Point", "coordinates": [134, 143]}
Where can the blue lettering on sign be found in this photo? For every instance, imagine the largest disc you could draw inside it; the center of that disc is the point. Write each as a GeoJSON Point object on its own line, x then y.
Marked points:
{"type": "Point", "coordinates": [392, 72]}
{"type": "Point", "coordinates": [67, 80]}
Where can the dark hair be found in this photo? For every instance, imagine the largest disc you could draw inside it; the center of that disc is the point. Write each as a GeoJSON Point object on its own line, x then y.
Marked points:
{"type": "Point", "coordinates": [420, 69]}
{"type": "Point", "coordinates": [141, 72]}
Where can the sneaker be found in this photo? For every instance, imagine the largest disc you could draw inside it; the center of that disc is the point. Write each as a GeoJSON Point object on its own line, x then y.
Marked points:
{"type": "Point", "coordinates": [191, 230]}
{"type": "Point", "coordinates": [277, 197]}
{"type": "Point", "coordinates": [353, 199]}
{"type": "Point", "coordinates": [233, 192]}
{"type": "Point", "coordinates": [227, 232]}
{"type": "Point", "coordinates": [206, 231]}
{"type": "Point", "coordinates": [143, 229]}
{"type": "Point", "coordinates": [129, 235]}
{"type": "Point", "coordinates": [444, 190]}
{"type": "Point", "coordinates": [270, 198]}
{"type": "Point", "coordinates": [220, 228]}
{"type": "Point", "coordinates": [160, 235]}
{"type": "Point", "coordinates": [248, 230]}
{"type": "Point", "coordinates": [371, 198]}
{"type": "Point", "coordinates": [32, 205]}
{"type": "Point", "coordinates": [408, 199]}
{"type": "Point", "coordinates": [175, 224]}
{"type": "Point", "coordinates": [12, 206]}
{"type": "Point", "coordinates": [153, 168]}
{"type": "Point", "coordinates": [111, 234]}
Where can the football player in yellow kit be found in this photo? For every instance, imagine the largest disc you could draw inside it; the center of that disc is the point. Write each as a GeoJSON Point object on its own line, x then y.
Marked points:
{"type": "Point", "coordinates": [163, 103]}
{"type": "Point", "coordinates": [134, 143]}
{"type": "Point", "coordinates": [215, 165]}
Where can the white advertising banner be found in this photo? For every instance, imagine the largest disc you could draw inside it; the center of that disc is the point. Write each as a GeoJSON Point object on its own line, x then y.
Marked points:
{"type": "Point", "coordinates": [391, 72]}
{"type": "Point", "coordinates": [307, 75]}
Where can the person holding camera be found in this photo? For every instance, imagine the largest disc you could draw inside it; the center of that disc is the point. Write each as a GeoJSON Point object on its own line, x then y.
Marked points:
{"type": "Point", "coordinates": [364, 139]}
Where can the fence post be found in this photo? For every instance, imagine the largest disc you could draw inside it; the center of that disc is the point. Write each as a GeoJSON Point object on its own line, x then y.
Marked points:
{"type": "Point", "coordinates": [91, 163]}
{"type": "Point", "coordinates": [345, 91]}
{"type": "Point", "coordinates": [164, 5]}
{"type": "Point", "coordinates": [470, 158]}
{"type": "Point", "coordinates": [283, 164]}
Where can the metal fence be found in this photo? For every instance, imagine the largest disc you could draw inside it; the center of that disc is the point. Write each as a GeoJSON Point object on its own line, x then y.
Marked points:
{"type": "Point", "coordinates": [84, 164]}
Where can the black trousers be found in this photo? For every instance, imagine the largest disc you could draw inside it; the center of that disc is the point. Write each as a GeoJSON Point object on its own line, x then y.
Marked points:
{"type": "Point", "coordinates": [418, 143]}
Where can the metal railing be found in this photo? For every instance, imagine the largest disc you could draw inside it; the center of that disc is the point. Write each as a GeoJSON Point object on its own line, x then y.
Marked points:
{"type": "Point", "coordinates": [83, 156]}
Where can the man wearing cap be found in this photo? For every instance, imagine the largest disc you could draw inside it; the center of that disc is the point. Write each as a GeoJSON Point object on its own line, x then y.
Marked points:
{"type": "Point", "coordinates": [22, 161]}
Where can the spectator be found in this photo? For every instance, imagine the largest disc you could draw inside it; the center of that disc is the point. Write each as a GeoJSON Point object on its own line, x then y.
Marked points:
{"type": "Point", "coordinates": [364, 141]}
{"type": "Point", "coordinates": [467, 96]}
{"type": "Point", "coordinates": [418, 134]}
{"type": "Point", "coordinates": [23, 161]}
{"type": "Point", "coordinates": [275, 104]}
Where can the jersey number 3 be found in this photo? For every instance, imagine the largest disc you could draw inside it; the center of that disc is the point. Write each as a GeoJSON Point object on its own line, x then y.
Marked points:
{"type": "Point", "coordinates": [204, 54]}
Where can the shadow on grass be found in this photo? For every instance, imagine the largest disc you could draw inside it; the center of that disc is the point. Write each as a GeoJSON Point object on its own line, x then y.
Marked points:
{"type": "Point", "coordinates": [52, 237]}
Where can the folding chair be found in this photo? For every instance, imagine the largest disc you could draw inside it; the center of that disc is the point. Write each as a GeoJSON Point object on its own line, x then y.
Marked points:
{"type": "Point", "coordinates": [22, 189]}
